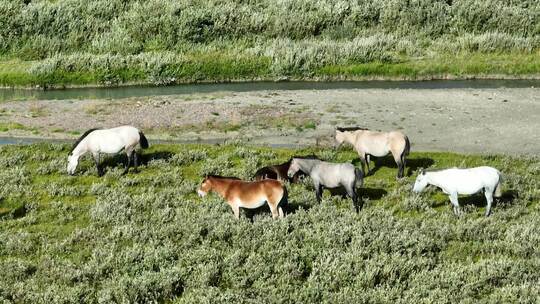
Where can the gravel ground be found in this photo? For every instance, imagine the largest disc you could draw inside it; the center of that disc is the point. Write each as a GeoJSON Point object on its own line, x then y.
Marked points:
{"type": "Point", "coordinates": [459, 120]}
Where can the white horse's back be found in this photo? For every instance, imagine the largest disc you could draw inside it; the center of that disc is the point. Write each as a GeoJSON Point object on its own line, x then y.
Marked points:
{"type": "Point", "coordinates": [469, 181]}
{"type": "Point", "coordinates": [113, 140]}
{"type": "Point", "coordinates": [463, 181]}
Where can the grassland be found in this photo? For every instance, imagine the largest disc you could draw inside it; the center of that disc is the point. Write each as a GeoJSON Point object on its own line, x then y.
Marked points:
{"type": "Point", "coordinates": [104, 42]}
{"type": "Point", "coordinates": [147, 237]}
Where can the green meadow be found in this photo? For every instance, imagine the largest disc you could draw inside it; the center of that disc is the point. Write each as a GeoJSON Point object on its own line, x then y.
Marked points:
{"type": "Point", "coordinates": [117, 42]}
{"type": "Point", "coordinates": [147, 237]}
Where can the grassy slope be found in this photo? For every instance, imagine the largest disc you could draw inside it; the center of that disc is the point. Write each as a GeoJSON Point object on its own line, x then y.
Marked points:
{"type": "Point", "coordinates": [118, 42]}
{"type": "Point", "coordinates": [147, 236]}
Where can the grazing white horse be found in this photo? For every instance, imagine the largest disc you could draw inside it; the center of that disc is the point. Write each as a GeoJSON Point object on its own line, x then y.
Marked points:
{"type": "Point", "coordinates": [462, 181]}
{"type": "Point", "coordinates": [108, 141]}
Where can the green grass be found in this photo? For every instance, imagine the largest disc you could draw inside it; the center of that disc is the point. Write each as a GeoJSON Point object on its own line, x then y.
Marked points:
{"type": "Point", "coordinates": [219, 69]}
{"type": "Point", "coordinates": [147, 237]}
{"type": "Point", "coordinates": [59, 43]}
{"type": "Point", "coordinates": [4, 127]}
{"type": "Point", "coordinates": [445, 67]}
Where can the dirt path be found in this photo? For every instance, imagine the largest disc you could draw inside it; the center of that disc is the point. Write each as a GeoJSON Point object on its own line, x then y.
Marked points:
{"type": "Point", "coordinates": [461, 120]}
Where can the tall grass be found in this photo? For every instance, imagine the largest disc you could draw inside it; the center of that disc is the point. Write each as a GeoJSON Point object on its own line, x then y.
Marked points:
{"type": "Point", "coordinates": [147, 237]}
{"type": "Point", "coordinates": [298, 37]}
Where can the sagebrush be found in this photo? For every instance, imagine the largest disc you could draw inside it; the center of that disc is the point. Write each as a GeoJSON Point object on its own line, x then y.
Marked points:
{"type": "Point", "coordinates": [147, 237]}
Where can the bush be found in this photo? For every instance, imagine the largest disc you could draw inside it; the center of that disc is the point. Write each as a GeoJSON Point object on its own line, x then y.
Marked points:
{"type": "Point", "coordinates": [147, 237]}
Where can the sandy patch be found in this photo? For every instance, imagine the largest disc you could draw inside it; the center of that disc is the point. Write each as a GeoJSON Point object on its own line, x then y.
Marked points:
{"type": "Point", "coordinates": [461, 120]}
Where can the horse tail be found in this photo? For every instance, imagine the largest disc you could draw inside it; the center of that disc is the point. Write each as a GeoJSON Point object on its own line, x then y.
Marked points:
{"type": "Point", "coordinates": [498, 190]}
{"type": "Point", "coordinates": [283, 205]}
{"type": "Point", "coordinates": [407, 148]}
{"type": "Point", "coordinates": [143, 141]}
{"type": "Point", "coordinates": [359, 177]}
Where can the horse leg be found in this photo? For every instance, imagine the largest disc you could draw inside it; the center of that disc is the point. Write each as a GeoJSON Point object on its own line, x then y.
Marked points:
{"type": "Point", "coordinates": [489, 198]}
{"type": "Point", "coordinates": [400, 164]}
{"type": "Point", "coordinates": [403, 164]}
{"type": "Point", "coordinates": [368, 160]}
{"type": "Point", "coordinates": [318, 191]}
{"type": "Point", "coordinates": [455, 203]}
{"type": "Point", "coordinates": [364, 164]}
{"type": "Point", "coordinates": [136, 161]}
{"type": "Point", "coordinates": [274, 210]}
{"type": "Point", "coordinates": [129, 155]}
{"type": "Point", "coordinates": [236, 211]}
{"type": "Point", "coordinates": [96, 160]}
{"type": "Point", "coordinates": [351, 191]}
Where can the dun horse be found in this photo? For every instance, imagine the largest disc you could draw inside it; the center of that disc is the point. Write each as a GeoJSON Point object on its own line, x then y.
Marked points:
{"type": "Point", "coordinates": [330, 175]}
{"type": "Point", "coordinates": [462, 181]}
{"type": "Point", "coordinates": [108, 141]}
{"type": "Point", "coordinates": [245, 194]}
{"type": "Point", "coordinates": [372, 143]}
{"type": "Point", "coordinates": [279, 172]}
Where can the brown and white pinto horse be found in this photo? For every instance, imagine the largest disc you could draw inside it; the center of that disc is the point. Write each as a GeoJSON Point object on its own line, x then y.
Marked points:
{"type": "Point", "coordinates": [245, 194]}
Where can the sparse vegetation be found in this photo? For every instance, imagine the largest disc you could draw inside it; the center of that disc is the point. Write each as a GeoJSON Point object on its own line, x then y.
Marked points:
{"type": "Point", "coordinates": [147, 237]}
{"type": "Point", "coordinates": [162, 42]}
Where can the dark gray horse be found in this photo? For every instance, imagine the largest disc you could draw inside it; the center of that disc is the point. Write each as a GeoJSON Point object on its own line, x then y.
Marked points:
{"type": "Point", "coordinates": [330, 175]}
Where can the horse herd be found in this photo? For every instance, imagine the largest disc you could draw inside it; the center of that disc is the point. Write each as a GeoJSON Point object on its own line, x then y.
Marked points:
{"type": "Point", "coordinates": [268, 185]}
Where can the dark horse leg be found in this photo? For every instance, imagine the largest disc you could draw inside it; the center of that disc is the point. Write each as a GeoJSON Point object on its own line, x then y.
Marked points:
{"type": "Point", "coordinates": [128, 163]}
{"type": "Point", "coordinates": [364, 164]}
{"type": "Point", "coordinates": [318, 192]}
{"type": "Point", "coordinates": [96, 160]}
{"type": "Point", "coordinates": [400, 163]}
{"type": "Point", "coordinates": [136, 161]}
{"type": "Point", "coordinates": [351, 191]}
{"type": "Point", "coordinates": [400, 169]}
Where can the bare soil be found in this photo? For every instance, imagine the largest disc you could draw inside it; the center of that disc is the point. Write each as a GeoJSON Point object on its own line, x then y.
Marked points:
{"type": "Point", "coordinates": [460, 120]}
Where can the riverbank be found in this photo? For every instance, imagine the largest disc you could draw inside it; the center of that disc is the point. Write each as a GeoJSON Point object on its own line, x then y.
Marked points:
{"type": "Point", "coordinates": [99, 71]}
{"type": "Point", "coordinates": [467, 120]}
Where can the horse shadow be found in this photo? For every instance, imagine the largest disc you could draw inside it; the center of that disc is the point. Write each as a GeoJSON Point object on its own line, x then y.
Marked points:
{"type": "Point", "coordinates": [121, 159]}
{"type": "Point", "coordinates": [479, 200]}
{"type": "Point", "coordinates": [158, 155]}
{"type": "Point", "coordinates": [412, 164]}
{"type": "Point", "coordinates": [15, 213]}
{"type": "Point", "coordinates": [372, 193]}
{"type": "Point", "coordinates": [291, 208]}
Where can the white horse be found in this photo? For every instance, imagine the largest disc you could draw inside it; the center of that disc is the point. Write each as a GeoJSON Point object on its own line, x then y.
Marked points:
{"type": "Point", "coordinates": [462, 181]}
{"type": "Point", "coordinates": [108, 141]}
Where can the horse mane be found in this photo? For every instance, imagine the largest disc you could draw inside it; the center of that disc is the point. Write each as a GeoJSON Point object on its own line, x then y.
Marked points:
{"type": "Point", "coordinates": [78, 141]}
{"type": "Point", "coordinates": [348, 129]}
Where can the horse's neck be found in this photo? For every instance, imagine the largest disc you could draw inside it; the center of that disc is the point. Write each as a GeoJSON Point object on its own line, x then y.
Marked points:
{"type": "Point", "coordinates": [307, 165]}
{"type": "Point", "coordinates": [221, 186]}
{"type": "Point", "coordinates": [81, 148]}
{"type": "Point", "coordinates": [350, 137]}
{"type": "Point", "coordinates": [435, 179]}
